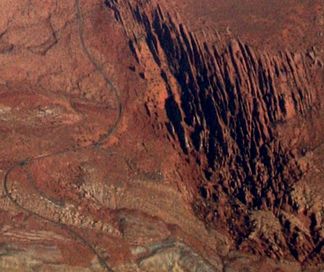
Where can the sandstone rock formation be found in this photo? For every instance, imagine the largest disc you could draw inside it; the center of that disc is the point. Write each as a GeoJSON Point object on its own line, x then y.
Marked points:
{"type": "Point", "coordinates": [225, 106]}
{"type": "Point", "coordinates": [131, 142]}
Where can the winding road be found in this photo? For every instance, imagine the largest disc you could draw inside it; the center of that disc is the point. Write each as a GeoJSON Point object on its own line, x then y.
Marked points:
{"type": "Point", "coordinates": [24, 163]}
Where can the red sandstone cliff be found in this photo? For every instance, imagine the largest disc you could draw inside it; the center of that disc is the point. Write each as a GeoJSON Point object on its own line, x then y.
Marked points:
{"type": "Point", "coordinates": [225, 106]}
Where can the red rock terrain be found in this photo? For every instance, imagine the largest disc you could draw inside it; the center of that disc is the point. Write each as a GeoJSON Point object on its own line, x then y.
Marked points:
{"type": "Point", "coordinates": [143, 135]}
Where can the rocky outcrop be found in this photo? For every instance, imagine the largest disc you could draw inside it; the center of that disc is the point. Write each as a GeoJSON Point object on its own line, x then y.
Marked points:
{"type": "Point", "coordinates": [224, 105]}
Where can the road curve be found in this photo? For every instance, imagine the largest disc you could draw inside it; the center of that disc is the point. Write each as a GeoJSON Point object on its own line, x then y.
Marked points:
{"type": "Point", "coordinates": [24, 163]}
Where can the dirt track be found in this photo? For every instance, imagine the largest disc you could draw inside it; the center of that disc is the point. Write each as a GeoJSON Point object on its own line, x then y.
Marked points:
{"type": "Point", "coordinates": [24, 163]}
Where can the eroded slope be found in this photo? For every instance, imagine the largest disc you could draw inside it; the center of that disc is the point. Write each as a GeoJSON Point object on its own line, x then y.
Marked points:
{"type": "Point", "coordinates": [227, 106]}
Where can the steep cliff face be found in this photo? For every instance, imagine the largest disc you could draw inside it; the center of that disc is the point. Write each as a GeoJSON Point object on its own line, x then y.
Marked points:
{"type": "Point", "coordinates": [224, 106]}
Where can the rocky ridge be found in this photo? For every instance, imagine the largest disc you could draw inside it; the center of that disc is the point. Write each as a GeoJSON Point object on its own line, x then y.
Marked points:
{"type": "Point", "coordinates": [225, 104]}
